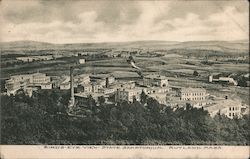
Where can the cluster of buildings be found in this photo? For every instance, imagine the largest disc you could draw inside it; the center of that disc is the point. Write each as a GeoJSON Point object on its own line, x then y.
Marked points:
{"type": "Point", "coordinates": [37, 58]}
{"type": "Point", "coordinates": [27, 82]}
{"type": "Point", "coordinates": [105, 85]}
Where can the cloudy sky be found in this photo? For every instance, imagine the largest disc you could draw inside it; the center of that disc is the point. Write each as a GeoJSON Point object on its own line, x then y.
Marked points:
{"type": "Point", "coordinates": [67, 21]}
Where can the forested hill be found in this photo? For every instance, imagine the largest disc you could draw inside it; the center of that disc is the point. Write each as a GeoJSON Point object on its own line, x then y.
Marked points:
{"type": "Point", "coordinates": [41, 119]}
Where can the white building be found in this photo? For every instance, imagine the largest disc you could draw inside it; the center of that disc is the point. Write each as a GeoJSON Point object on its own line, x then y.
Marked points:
{"type": "Point", "coordinates": [22, 81]}
{"type": "Point", "coordinates": [107, 90]}
{"type": "Point", "coordinates": [39, 78]}
{"type": "Point", "coordinates": [87, 88]}
{"type": "Point", "coordinates": [65, 86]}
{"type": "Point", "coordinates": [109, 80]}
{"type": "Point", "coordinates": [46, 85]}
{"type": "Point", "coordinates": [81, 61]}
{"type": "Point", "coordinates": [228, 107]}
{"type": "Point", "coordinates": [192, 94]}
{"type": "Point", "coordinates": [226, 80]}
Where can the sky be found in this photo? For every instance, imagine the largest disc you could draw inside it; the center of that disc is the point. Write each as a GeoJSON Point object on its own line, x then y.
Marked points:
{"type": "Point", "coordinates": [81, 21]}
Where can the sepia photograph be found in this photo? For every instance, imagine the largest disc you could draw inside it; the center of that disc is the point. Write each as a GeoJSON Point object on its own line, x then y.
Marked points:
{"type": "Point", "coordinates": [162, 76]}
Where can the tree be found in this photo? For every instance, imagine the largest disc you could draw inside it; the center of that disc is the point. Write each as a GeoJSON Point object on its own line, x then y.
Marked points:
{"type": "Point", "coordinates": [143, 97]}
{"type": "Point", "coordinates": [91, 103]}
{"type": "Point", "coordinates": [195, 73]}
{"type": "Point", "coordinates": [153, 106]}
{"type": "Point", "coordinates": [101, 100]}
{"type": "Point", "coordinates": [242, 82]}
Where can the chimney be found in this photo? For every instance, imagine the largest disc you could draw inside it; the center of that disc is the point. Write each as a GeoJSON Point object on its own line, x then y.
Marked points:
{"type": "Point", "coordinates": [107, 82]}
{"type": "Point", "coordinates": [72, 86]}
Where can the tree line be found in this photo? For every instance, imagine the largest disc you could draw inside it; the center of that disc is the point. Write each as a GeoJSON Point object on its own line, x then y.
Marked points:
{"type": "Point", "coordinates": [42, 119]}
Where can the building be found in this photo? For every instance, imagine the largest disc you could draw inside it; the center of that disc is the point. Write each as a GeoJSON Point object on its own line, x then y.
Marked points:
{"type": "Point", "coordinates": [160, 97]}
{"type": "Point", "coordinates": [192, 94]}
{"type": "Point", "coordinates": [12, 86]}
{"type": "Point", "coordinates": [228, 107]}
{"type": "Point", "coordinates": [87, 88]}
{"type": "Point", "coordinates": [106, 78]}
{"type": "Point", "coordinates": [95, 96]}
{"type": "Point", "coordinates": [155, 80]}
{"type": "Point", "coordinates": [97, 86]}
{"type": "Point", "coordinates": [107, 90]}
{"type": "Point", "coordinates": [179, 97]}
{"type": "Point", "coordinates": [35, 58]}
{"type": "Point", "coordinates": [159, 90]}
{"type": "Point", "coordinates": [46, 85]}
{"type": "Point", "coordinates": [223, 80]}
{"type": "Point", "coordinates": [123, 84]}
{"type": "Point", "coordinates": [109, 80]}
{"type": "Point", "coordinates": [128, 95]}
{"type": "Point", "coordinates": [82, 79]}
{"type": "Point", "coordinates": [81, 61]}
{"type": "Point", "coordinates": [35, 78]}
{"type": "Point", "coordinates": [39, 78]}
{"type": "Point", "coordinates": [27, 80]}
{"type": "Point", "coordinates": [65, 86]}
{"type": "Point", "coordinates": [19, 78]}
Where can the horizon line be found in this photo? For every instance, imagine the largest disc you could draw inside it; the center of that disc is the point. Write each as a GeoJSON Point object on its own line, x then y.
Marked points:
{"type": "Point", "coordinates": [99, 42]}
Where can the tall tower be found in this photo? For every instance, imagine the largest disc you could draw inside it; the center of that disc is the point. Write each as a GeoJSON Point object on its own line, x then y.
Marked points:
{"type": "Point", "coordinates": [72, 97]}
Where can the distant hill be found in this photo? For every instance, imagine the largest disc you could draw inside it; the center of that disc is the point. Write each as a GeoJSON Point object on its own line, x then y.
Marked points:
{"type": "Point", "coordinates": [227, 46]}
{"type": "Point", "coordinates": [25, 45]}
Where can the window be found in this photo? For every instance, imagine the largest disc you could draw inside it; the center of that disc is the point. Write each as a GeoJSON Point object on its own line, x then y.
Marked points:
{"type": "Point", "coordinates": [233, 108]}
{"type": "Point", "coordinates": [229, 114]}
{"type": "Point", "coordinates": [229, 108]}
{"type": "Point", "coordinates": [233, 114]}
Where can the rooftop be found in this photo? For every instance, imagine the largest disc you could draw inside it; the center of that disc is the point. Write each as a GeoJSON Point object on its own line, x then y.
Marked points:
{"type": "Point", "coordinates": [154, 76]}
{"type": "Point", "coordinates": [190, 89]}
{"type": "Point", "coordinates": [101, 76]}
{"type": "Point", "coordinates": [221, 104]}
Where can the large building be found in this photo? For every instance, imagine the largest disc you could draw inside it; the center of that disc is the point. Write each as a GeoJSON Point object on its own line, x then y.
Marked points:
{"type": "Point", "coordinates": [27, 80]}
{"type": "Point", "coordinates": [223, 80]}
{"type": "Point", "coordinates": [228, 107]}
{"type": "Point", "coordinates": [179, 96]}
{"type": "Point", "coordinates": [35, 58]}
{"type": "Point", "coordinates": [192, 94]}
{"type": "Point", "coordinates": [39, 78]}
{"type": "Point", "coordinates": [155, 80]}
{"type": "Point", "coordinates": [128, 95]}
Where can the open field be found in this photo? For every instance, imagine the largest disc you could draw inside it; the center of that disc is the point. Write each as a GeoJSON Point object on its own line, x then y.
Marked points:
{"type": "Point", "coordinates": [175, 61]}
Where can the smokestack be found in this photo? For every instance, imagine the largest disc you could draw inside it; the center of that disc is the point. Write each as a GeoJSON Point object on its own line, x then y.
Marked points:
{"type": "Point", "coordinates": [107, 82]}
{"type": "Point", "coordinates": [72, 87]}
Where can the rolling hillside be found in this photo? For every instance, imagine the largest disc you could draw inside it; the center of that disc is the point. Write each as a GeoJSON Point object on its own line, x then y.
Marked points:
{"type": "Point", "coordinates": [232, 46]}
